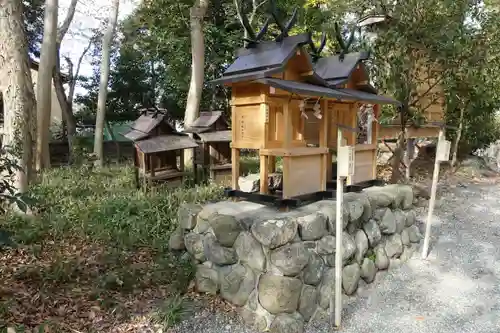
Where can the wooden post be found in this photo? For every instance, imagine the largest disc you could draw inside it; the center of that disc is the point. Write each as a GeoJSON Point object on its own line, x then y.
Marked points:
{"type": "Point", "coordinates": [235, 167]}
{"type": "Point", "coordinates": [287, 142]}
{"type": "Point", "coordinates": [338, 243]}
{"type": "Point", "coordinates": [287, 119]}
{"type": "Point", "coordinates": [286, 176]}
{"type": "Point", "coordinates": [235, 152]}
{"type": "Point", "coordinates": [264, 174]}
{"type": "Point", "coordinates": [432, 201]}
{"type": "Point", "coordinates": [323, 143]}
{"type": "Point", "coordinates": [181, 161]}
{"type": "Point", "coordinates": [152, 159]}
{"type": "Point", "coordinates": [272, 164]}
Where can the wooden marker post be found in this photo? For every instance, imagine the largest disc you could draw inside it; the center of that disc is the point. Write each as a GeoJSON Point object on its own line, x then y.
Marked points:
{"type": "Point", "coordinates": [345, 168]}
{"type": "Point", "coordinates": [442, 154]}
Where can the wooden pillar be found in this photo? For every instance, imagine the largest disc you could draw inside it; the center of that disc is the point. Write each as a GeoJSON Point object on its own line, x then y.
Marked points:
{"type": "Point", "coordinates": [375, 131]}
{"type": "Point", "coordinates": [352, 137]}
{"type": "Point", "coordinates": [286, 176]}
{"type": "Point", "coordinates": [152, 164]}
{"type": "Point", "coordinates": [181, 160]}
{"type": "Point", "coordinates": [323, 143]}
{"type": "Point", "coordinates": [287, 142]}
{"type": "Point", "coordinates": [272, 164]}
{"type": "Point", "coordinates": [235, 167]}
{"type": "Point", "coordinates": [235, 153]}
{"type": "Point", "coordinates": [264, 174]}
{"type": "Point", "coordinates": [287, 128]}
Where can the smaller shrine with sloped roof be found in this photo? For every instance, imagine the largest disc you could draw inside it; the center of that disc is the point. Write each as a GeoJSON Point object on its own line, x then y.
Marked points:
{"type": "Point", "coordinates": [211, 130]}
{"type": "Point", "coordinates": [159, 148]}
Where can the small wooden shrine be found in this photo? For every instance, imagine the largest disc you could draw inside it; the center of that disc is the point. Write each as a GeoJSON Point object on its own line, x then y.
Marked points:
{"type": "Point", "coordinates": [347, 72]}
{"type": "Point", "coordinates": [211, 130]}
{"type": "Point", "coordinates": [272, 82]}
{"type": "Point", "coordinates": [159, 148]}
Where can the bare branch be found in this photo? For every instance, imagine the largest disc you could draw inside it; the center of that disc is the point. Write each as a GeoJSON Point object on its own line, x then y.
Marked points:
{"type": "Point", "coordinates": [63, 29]}
{"type": "Point", "coordinates": [72, 86]}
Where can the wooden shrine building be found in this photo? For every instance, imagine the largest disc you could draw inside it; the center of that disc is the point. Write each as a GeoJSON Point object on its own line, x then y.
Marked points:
{"type": "Point", "coordinates": [211, 130]}
{"type": "Point", "coordinates": [159, 148]}
{"type": "Point", "coordinates": [272, 82]}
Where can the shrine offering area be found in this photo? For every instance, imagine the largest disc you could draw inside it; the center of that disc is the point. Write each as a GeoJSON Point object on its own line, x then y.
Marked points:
{"type": "Point", "coordinates": [278, 267]}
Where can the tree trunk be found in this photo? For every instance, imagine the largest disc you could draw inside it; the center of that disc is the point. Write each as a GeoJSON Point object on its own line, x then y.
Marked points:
{"type": "Point", "coordinates": [66, 105]}
{"type": "Point", "coordinates": [197, 15]}
{"type": "Point", "coordinates": [44, 85]}
{"type": "Point", "coordinates": [103, 85]}
{"type": "Point", "coordinates": [458, 137]}
{"type": "Point", "coordinates": [66, 102]}
{"type": "Point", "coordinates": [16, 86]}
{"type": "Point", "coordinates": [399, 151]}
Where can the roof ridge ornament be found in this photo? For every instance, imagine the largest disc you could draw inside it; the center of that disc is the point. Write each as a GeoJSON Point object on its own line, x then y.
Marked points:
{"type": "Point", "coordinates": [285, 29]}
{"type": "Point", "coordinates": [344, 45]}
{"type": "Point", "coordinates": [251, 39]}
{"type": "Point", "coordinates": [316, 52]}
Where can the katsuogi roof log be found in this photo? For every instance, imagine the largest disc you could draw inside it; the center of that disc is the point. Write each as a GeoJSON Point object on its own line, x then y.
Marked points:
{"type": "Point", "coordinates": [165, 143]}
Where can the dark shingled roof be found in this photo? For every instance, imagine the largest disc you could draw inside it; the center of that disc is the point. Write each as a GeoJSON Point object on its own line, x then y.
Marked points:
{"type": "Point", "coordinates": [144, 125]}
{"type": "Point", "coordinates": [262, 61]}
{"type": "Point", "coordinates": [165, 143]}
{"type": "Point", "coordinates": [204, 122]}
{"type": "Point", "coordinates": [334, 70]}
{"type": "Point", "coordinates": [219, 136]}
{"type": "Point", "coordinates": [207, 119]}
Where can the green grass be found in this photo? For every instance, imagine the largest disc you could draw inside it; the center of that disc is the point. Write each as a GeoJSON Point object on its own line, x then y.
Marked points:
{"type": "Point", "coordinates": [95, 242]}
{"type": "Point", "coordinates": [105, 206]}
{"type": "Point", "coordinates": [172, 311]}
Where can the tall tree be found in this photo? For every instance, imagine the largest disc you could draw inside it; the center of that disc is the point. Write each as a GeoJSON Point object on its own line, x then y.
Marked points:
{"type": "Point", "coordinates": [64, 101]}
{"type": "Point", "coordinates": [44, 85]}
{"type": "Point", "coordinates": [197, 15]}
{"type": "Point", "coordinates": [17, 90]}
{"type": "Point", "coordinates": [103, 85]}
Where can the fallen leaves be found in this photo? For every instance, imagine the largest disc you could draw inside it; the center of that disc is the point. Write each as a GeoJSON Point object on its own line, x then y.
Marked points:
{"type": "Point", "coordinates": [74, 286]}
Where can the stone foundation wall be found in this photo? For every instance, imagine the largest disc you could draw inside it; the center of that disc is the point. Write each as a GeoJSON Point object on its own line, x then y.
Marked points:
{"type": "Point", "coordinates": [278, 267]}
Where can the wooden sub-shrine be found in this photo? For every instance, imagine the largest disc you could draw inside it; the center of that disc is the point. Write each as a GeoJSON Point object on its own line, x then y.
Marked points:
{"type": "Point", "coordinates": [159, 148]}
{"type": "Point", "coordinates": [213, 135]}
{"type": "Point", "coordinates": [272, 83]}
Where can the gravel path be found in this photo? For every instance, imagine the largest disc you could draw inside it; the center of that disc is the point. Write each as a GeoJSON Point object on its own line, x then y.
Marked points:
{"type": "Point", "coordinates": [457, 289]}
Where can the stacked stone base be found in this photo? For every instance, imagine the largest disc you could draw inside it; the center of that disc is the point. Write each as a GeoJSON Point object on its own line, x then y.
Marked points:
{"type": "Point", "coordinates": [279, 267]}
